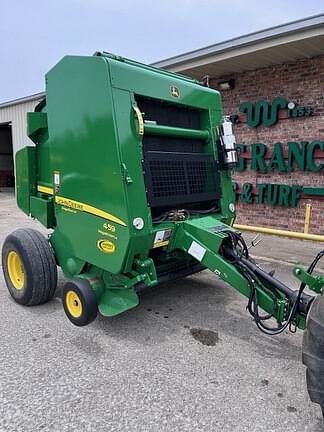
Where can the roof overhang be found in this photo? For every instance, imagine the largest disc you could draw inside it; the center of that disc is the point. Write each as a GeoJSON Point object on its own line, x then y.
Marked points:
{"type": "Point", "coordinates": [285, 43]}
{"type": "Point", "coordinates": [25, 99]}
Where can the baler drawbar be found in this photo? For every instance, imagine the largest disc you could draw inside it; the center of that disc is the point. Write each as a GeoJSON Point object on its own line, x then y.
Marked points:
{"type": "Point", "coordinates": [131, 172]}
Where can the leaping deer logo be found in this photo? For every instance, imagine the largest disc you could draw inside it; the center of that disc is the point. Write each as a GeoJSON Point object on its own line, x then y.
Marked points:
{"type": "Point", "coordinates": [174, 91]}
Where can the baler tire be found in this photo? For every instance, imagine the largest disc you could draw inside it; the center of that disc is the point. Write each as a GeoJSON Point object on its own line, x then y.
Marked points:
{"type": "Point", "coordinates": [79, 302]}
{"type": "Point", "coordinates": [49, 262]}
{"type": "Point", "coordinates": [313, 351]}
{"type": "Point", "coordinates": [29, 267]}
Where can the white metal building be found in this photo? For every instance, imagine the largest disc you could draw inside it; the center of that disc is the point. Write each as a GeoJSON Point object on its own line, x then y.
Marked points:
{"type": "Point", "coordinates": [13, 133]}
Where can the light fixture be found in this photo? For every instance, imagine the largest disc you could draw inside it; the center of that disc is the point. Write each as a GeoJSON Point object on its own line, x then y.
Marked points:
{"type": "Point", "coordinates": [227, 85]}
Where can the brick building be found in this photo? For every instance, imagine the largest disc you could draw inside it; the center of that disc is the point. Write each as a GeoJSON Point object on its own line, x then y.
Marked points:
{"type": "Point", "coordinates": [272, 83]}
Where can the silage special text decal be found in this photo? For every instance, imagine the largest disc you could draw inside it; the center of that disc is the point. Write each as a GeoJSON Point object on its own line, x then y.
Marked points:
{"type": "Point", "coordinates": [303, 156]}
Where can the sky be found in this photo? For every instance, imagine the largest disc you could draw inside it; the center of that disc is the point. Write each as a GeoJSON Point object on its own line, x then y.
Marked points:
{"type": "Point", "coordinates": [36, 34]}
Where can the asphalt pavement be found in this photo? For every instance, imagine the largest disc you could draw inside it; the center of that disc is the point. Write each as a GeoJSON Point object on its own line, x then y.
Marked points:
{"type": "Point", "coordinates": [147, 370]}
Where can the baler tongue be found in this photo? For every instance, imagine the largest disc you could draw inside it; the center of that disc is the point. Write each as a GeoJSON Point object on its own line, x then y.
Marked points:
{"type": "Point", "coordinates": [223, 251]}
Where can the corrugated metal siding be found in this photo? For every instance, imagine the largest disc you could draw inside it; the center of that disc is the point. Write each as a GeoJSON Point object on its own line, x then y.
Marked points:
{"type": "Point", "coordinates": [17, 116]}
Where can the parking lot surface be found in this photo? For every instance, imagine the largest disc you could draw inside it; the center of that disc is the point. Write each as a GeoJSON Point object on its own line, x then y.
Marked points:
{"type": "Point", "coordinates": [144, 370]}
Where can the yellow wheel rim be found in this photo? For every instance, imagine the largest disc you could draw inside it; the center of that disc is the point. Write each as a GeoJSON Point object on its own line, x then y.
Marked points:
{"type": "Point", "coordinates": [73, 304]}
{"type": "Point", "coordinates": [16, 270]}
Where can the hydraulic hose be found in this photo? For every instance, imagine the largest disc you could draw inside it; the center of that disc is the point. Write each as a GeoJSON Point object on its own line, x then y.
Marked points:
{"type": "Point", "coordinates": [305, 299]}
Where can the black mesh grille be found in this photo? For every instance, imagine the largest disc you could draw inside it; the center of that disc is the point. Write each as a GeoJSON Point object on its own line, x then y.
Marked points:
{"type": "Point", "coordinates": [200, 177]}
{"type": "Point", "coordinates": [178, 178]}
{"type": "Point", "coordinates": [177, 171]}
{"type": "Point", "coordinates": [169, 114]}
{"type": "Point", "coordinates": [168, 178]}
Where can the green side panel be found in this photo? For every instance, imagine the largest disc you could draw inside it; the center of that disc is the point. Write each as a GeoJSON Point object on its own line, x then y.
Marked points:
{"type": "Point", "coordinates": [82, 232]}
{"type": "Point", "coordinates": [38, 132]}
{"type": "Point", "coordinates": [36, 122]}
{"type": "Point", "coordinates": [25, 177]}
{"type": "Point", "coordinates": [84, 150]}
{"type": "Point", "coordinates": [43, 210]}
{"type": "Point", "coordinates": [70, 264]}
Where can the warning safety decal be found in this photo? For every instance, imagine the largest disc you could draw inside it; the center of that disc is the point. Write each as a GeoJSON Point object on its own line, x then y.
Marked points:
{"type": "Point", "coordinates": [162, 238]}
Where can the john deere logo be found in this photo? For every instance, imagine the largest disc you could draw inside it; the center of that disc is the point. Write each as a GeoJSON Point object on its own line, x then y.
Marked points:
{"type": "Point", "coordinates": [106, 246]}
{"type": "Point", "coordinates": [175, 91]}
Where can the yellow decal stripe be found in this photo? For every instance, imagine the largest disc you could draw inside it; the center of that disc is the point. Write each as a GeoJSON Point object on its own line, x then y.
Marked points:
{"type": "Point", "coordinates": [46, 190]}
{"type": "Point", "coordinates": [140, 120]}
{"type": "Point", "coordinates": [80, 206]}
{"type": "Point", "coordinates": [163, 243]}
{"type": "Point", "coordinates": [87, 209]}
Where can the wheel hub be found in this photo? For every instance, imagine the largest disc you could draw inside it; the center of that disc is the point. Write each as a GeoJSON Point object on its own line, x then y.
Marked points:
{"type": "Point", "coordinates": [16, 270]}
{"type": "Point", "coordinates": [73, 304]}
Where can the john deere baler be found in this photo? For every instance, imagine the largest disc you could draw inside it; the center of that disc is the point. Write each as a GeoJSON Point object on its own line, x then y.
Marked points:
{"type": "Point", "coordinates": [131, 173]}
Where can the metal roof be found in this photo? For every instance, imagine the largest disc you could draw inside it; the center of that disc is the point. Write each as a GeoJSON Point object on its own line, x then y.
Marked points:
{"type": "Point", "coordinates": [283, 43]}
{"type": "Point", "coordinates": [23, 100]}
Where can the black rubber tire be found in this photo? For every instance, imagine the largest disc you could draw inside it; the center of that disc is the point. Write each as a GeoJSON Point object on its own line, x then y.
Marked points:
{"type": "Point", "coordinates": [88, 301]}
{"type": "Point", "coordinates": [313, 351]}
{"type": "Point", "coordinates": [40, 271]}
